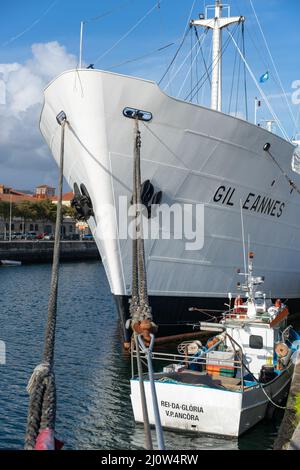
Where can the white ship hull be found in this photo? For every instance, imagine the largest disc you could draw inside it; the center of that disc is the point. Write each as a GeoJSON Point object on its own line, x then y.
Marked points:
{"type": "Point", "coordinates": [193, 155]}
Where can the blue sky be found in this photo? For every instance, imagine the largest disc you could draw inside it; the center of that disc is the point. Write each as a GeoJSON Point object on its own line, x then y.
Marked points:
{"type": "Point", "coordinates": [23, 24]}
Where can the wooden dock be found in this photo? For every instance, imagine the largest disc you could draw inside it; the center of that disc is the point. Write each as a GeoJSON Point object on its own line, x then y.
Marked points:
{"type": "Point", "coordinates": [289, 432]}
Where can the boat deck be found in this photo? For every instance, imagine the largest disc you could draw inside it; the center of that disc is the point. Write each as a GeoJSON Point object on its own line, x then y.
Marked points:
{"type": "Point", "coordinates": [200, 379]}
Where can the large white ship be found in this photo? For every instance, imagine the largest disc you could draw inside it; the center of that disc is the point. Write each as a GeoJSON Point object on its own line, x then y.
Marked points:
{"type": "Point", "coordinates": [194, 155]}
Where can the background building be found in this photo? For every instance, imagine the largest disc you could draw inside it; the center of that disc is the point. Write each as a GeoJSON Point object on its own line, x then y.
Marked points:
{"type": "Point", "coordinates": [44, 192]}
{"type": "Point", "coordinates": [22, 212]}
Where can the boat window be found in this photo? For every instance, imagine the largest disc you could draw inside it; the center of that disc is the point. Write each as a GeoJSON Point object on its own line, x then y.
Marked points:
{"type": "Point", "coordinates": [256, 342]}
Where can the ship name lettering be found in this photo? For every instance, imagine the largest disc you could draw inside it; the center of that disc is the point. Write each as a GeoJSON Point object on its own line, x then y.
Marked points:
{"type": "Point", "coordinates": [192, 408]}
{"type": "Point", "coordinates": [252, 203]}
{"type": "Point", "coordinates": [180, 415]}
{"type": "Point", "coordinates": [263, 205]}
{"type": "Point", "coordinates": [224, 195]}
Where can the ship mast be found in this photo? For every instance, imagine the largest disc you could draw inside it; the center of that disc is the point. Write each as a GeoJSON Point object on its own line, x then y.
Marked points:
{"type": "Point", "coordinates": [217, 24]}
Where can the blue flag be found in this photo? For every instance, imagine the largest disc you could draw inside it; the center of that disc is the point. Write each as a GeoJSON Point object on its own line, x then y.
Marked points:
{"type": "Point", "coordinates": [264, 77]}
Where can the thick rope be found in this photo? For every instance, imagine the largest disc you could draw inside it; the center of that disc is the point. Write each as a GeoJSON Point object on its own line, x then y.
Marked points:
{"type": "Point", "coordinates": [147, 429]}
{"type": "Point", "coordinates": [145, 312]}
{"type": "Point", "coordinates": [134, 301]}
{"type": "Point", "coordinates": [139, 299]}
{"type": "Point", "coordinates": [139, 305]}
{"type": "Point", "coordinates": [41, 386]}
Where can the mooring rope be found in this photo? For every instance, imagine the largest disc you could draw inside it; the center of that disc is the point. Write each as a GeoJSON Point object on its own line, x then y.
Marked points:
{"type": "Point", "coordinates": [147, 429]}
{"type": "Point", "coordinates": [262, 388]}
{"type": "Point", "coordinates": [140, 310]}
{"type": "Point", "coordinates": [41, 386]}
{"type": "Point", "coordinates": [134, 289]}
{"type": "Point", "coordinates": [145, 312]}
{"type": "Point", "coordinates": [139, 293]}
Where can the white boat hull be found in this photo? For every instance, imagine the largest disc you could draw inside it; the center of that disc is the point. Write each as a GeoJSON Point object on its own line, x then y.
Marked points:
{"type": "Point", "coordinates": [7, 262]}
{"type": "Point", "coordinates": [210, 411]}
{"type": "Point", "coordinates": [190, 153]}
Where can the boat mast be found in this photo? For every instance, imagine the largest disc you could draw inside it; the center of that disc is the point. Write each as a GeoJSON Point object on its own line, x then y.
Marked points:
{"type": "Point", "coordinates": [81, 44]}
{"type": "Point", "coordinates": [217, 24]}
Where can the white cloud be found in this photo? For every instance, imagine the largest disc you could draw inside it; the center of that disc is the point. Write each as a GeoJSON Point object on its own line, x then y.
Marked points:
{"type": "Point", "coordinates": [24, 158]}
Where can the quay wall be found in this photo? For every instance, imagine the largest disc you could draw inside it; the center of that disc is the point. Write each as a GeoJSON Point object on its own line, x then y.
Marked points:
{"type": "Point", "coordinates": [288, 437]}
{"type": "Point", "coordinates": [39, 251]}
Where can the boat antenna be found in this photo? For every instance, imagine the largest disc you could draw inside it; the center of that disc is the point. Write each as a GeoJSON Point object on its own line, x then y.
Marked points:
{"type": "Point", "coordinates": [249, 249]}
{"type": "Point", "coordinates": [243, 238]}
{"type": "Point", "coordinates": [81, 44]}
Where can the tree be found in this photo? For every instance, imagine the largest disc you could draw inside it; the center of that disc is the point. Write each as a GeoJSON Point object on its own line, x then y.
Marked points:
{"type": "Point", "coordinates": [69, 211]}
{"type": "Point", "coordinates": [46, 210]}
{"type": "Point", "coordinates": [27, 211]}
{"type": "Point", "coordinates": [5, 214]}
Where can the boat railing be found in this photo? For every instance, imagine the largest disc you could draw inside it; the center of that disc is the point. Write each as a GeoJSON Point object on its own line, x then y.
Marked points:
{"type": "Point", "coordinates": [233, 315]}
{"type": "Point", "coordinates": [195, 362]}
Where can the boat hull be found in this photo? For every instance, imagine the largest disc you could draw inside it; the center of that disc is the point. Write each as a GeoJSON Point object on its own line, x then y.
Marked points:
{"type": "Point", "coordinates": [195, 156]}
{"type": "Point", "coordinates": [210, 411]}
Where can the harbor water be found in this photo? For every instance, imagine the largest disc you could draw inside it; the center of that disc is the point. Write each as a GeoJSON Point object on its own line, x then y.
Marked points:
{"type": "Point", "coordinates": [92, 370]}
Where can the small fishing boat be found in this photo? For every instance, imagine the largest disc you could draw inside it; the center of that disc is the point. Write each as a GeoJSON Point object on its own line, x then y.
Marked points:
{"type": "Point", "coordinates": [239, 377]}
{"type": "Point", "coordinates": [8, 262]}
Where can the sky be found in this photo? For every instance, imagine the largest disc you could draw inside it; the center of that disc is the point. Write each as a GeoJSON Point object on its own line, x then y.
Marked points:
{"type": "Point", "coordinates": [40, 39]}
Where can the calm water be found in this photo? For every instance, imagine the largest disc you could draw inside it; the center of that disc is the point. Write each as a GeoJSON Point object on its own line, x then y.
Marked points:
{"type": "Point", "coordinates": [92, 372]}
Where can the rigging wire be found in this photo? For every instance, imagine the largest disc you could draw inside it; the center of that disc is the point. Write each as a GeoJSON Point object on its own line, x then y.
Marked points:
{"type": "Point", "coordinates": [184, 35]}
{"type": "Point", "coordinates": [163, 29]}
{"type": "Point", "coordinates": [249, 32]}
{"type": "Point", "coordinates": [259, 88]}
{"type": "Point", "coordinates": [191, 66]}
{"type": "Point", "coordinates": [259, 50]}
{"type": "Point", "coordinates": [286, 176]}
{"type": "Point", "coordinates": [245, 74]}
{"type": "Point", "coordinates": [197, 77]}
{"type": "Point", "coordinates": [203, 58]}
{"type": "Point", "coordinates": [31, 26]}
{"type": "Point", "coordinates": [202, 37]}
{"type": "Point", "coordinates": [182, 64]}
{"type": "Point", "coordinates": [238, 85]}
{"type": "Point", "coordinates": [263, 59]}
{"type": "Point", "coordinates": [273, 63]}
{"type": "Point", "coordinates": [208, 76]}
{"type": "Point", "coordinates": [108, 13]}
{"type": "Point", "coordinates": [174, 58]}
{"type": "Point", "coordinates": [211, 67]}
{"type": "Point", "coordinates": [233, 80]}
{"type": "Point", "coordinates": [154, 7]}
{"type": "Point", "coordinates": [187, 27]}
{"type": "Point", "coordinates": [141, 56]}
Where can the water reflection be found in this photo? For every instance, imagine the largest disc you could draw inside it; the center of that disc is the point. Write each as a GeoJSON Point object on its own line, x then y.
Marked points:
{"type": "Point", "coordinates": [92, 371]}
